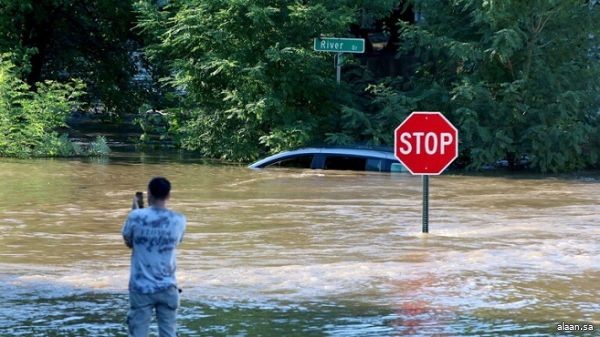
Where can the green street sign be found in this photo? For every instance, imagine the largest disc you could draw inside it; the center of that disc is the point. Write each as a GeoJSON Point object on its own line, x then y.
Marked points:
{"type": "Point", "coordinates": [340, 45]}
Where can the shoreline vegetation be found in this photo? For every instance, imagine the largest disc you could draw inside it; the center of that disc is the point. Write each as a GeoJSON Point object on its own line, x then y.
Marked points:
{"type": "Point", "coordinates": [237, 80]}
{"type": "Point", "coordinates": [29, 119]}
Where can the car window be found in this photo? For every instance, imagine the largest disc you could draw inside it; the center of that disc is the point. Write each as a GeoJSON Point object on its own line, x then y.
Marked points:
{"type": "Point", "coordinates": [337, 162]}
{"type": "Point", "coordinates": [374, 164]}
{"type": "Point", "coordinates": [397, 167]}
{"type": "Point", "coordinates": [295, 162]}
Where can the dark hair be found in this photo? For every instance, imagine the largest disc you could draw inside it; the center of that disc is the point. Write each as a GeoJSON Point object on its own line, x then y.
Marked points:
{"type": "Point", "coordinates": [159, 187]}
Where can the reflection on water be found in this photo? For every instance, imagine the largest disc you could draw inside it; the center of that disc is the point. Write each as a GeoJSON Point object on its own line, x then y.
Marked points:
{"type": "Point", "coordinates": [301, 253]}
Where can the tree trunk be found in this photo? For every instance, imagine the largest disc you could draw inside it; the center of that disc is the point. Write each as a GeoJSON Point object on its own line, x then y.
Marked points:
{"type": "Point", "coordinates": [36, 34]}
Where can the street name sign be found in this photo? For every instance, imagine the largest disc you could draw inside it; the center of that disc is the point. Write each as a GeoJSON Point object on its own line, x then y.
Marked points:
{"type": "Point", "coordinates": [339, 45]}
{"type": "Point", "coordinates": [426, 143]}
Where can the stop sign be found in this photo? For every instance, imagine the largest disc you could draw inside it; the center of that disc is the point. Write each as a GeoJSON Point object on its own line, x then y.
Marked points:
{"type": "Point", "coordinates": [426, 143]}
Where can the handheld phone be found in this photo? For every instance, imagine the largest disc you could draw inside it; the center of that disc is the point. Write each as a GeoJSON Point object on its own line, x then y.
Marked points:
{"type": "Point", "coordinates": [139, 196]}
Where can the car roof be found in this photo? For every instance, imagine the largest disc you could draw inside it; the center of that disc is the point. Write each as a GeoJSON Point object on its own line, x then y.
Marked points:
{"type": "Point", "coordinates": [366, 152]}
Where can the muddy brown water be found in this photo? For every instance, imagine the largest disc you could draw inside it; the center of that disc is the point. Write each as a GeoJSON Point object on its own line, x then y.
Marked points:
{"type": "Point", "coordinates": [302, 252]}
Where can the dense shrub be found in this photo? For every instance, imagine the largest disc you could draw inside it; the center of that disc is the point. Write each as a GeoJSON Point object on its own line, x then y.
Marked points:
{"type": "Point", "coordinates": [29, 118]}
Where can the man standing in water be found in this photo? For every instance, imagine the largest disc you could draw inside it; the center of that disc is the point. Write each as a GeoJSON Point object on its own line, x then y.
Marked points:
{"type": "Point", "coordinates": [153, 233]}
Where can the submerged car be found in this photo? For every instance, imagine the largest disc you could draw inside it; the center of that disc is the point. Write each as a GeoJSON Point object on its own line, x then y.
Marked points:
{"type": "Point", "coordinates": [338, 158]}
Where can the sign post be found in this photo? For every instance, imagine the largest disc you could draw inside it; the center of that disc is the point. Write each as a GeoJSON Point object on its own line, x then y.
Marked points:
{"type": "Point", "coordinates": [426, 143]}
{"type": "Point", "coordinates": [425, 216]}
{"type": "Point", "coordinates": [339, 46]}
{"type": "Point", "coordinates": [338, 67]}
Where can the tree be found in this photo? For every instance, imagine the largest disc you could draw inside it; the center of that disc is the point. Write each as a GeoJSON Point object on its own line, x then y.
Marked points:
{"type": "Point", "coordinates": [247, 77]}
{"type": "Point", "coordinates": [517, 77]}
{"type": "Point", "coordinates": [63, 39]}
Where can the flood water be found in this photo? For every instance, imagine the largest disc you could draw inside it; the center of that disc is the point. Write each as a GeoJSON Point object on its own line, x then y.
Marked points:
{"type": "Point", "coordinates": [301, 252]}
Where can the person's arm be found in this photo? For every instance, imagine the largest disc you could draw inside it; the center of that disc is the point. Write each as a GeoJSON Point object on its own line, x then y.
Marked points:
{"type": "Point", "coordinates": [127, 232]}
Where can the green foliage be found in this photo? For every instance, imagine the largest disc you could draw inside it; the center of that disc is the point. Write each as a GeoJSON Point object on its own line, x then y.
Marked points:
{"type": "Point", "coordinates": [236, 79]}
{"type": "Point", "coordinates": [517, 78]}
{"type": "Point", "coordinates": [29, 119]}
{"type": "Point", "coordinates": [154, 125]}
{"type": "Point", "coordinates": [523, 81]}
{"type": "Point", "coordinates": [98, 147]}
{"type": "Point", "coordinates": [63, 39]}
{"type": "Point", "coordinates": [372, 121]}
{"type": "Point", "coordinates": [248, 79]}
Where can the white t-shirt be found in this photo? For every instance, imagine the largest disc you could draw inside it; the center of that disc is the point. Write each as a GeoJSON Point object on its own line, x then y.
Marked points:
{"type": "Point", "coordinates": [154, 233]}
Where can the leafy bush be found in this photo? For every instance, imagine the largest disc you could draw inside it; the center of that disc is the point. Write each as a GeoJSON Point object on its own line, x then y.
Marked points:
{"type": "Point", "coordinates": [98, 147]}
{"type": "Point", "coordinates": [29, 119]}
{"type": "Point", "coordinates": [152, 123]}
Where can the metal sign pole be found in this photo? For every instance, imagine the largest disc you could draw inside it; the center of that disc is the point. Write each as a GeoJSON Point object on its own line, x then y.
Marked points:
{"type": "Point", "coordinates": [338, 66]}
{"type": "Point", "coordinates": [425, 204]}
{"type": "Point", "coordinates": [339, 46]}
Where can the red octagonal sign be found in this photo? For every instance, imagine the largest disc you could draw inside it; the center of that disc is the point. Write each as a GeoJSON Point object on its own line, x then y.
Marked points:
{"type": "Point", "coordinates": [426, 143]}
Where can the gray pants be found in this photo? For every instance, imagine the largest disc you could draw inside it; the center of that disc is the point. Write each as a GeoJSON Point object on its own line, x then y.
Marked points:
{"type": "Point", "coordinates": [140, 312]}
